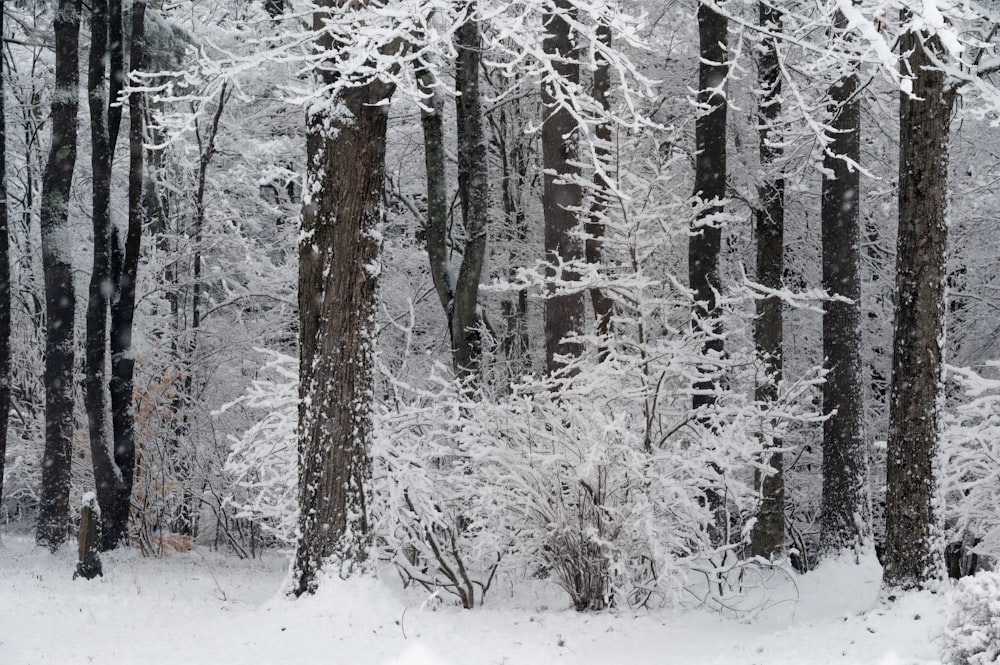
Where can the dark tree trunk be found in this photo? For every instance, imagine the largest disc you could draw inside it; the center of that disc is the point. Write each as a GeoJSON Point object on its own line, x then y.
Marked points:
{"type": "Point", "coordinates": [768, 536]}
{"type": "Point", "coordinates": [710, 190]}
{"type": "Point", "coordinates": [106, 475]}
{"type": "Point", "coordinates": [337, 301]}
{"type": "Point", "coordinates": [910, 559]}
{"type": "Point", "coordinates": [4, 280]}
{"type": "Point", "coordinates": [60, 297]}
{"type": "Point", "coordinates": [125, 266]}
{"type": "Point", "coordinates": [603, 305]}
{"type": "Point", "coordinates": [436, 233]}
{"type": "Point", "coordinates": [562, 195]}
{"type": "Point", "coordinates": [473, 166]}
{"type": "Point", "coordinates": [844, 516]}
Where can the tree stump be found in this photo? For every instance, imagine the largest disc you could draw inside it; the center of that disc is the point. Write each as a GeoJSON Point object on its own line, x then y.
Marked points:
{"type": "Point", "coordinates": [88, 565]}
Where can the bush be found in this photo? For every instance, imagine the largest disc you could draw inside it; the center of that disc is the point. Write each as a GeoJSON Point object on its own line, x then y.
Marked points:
{"type": "Point", "coordinates": [972, 632]}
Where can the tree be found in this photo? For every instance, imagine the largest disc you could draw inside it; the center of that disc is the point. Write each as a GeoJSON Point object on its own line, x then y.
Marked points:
{"type": "Point", "coordinates": [60, 295]}
{"type": "Point", "coordinates": [844, 512]}
{"type": "Point", "coordinates": [5, 328]}
{"type": "Point", "coordinates": [473, 172]}
{"type": "Point", "coordinates": [768, 535]}
{"type": "Point", "coordinates": [124, 271]}
{"type": "Point", "coordinates": [602, 303]}
{"type": "Point", "coordinates": [562, 195]}
{"type": "Point", "coordinates": [924, 119]}
{"type": "Point", "coordinates": [709, 190]}
{"type": "Point", "coordinates": [105, 118]}
{"type": "Point", "coordinates": [338, 275]}
{"type": "Point", "coordinates": [459, 294]}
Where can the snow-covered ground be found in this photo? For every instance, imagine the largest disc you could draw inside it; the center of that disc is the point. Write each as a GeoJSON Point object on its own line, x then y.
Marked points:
{"type": "Point", "coordinates": [204, 608]}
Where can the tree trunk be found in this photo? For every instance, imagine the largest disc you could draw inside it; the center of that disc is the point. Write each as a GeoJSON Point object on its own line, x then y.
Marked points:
{"type": "Point", "coordinates": [910, 558]}
{"type": "Point", "coordinates": [338, 278]}
{"type": "Point", "coordinates": [4, 280]}
{"type": "Point", "coordinates": [125, 267]}
{"type": "Point", "coordinates": [562, 196]}
{"type": "Point", "coordinates": [466, 320]}
{"type": "Point", "coordinates": [768, 536]}
{"type": "Point", "coordinates": [60, 297]}
{"type": "Point", "coordinates": [106, 475]}
{"type": "Point", "coordinates": [436, 233]}
{"type": "Point", "coordinates": [603, 305]}
{"type": "Point", "coordinates": [710, 190]}
{"type": "Point", "coordinates": [844, 515]}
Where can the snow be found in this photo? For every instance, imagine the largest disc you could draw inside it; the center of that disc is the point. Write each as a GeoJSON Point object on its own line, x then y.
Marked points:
{"type": "Point", "coordinates": [203, 608]}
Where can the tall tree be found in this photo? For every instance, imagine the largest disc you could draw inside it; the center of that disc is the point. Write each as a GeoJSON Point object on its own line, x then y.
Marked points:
{"type": "Point", "coordinates": [924, 118]}
{"type": "Point", "coordinates": [60, 295]}
{"type": "Point", "coordinates": [844, 515]}
{"type": "Point", "coordinates": [473, 172]}
{"type": "Point", "coordinates": [593, 248]}
{"type": "Point", "coordinates": [4, 279]}
{"type": "Point", "coordinates": [768, 535]}
{"type": "Point", "coordinates": [709, 190]}
{"type": "Point", "coordinates": [338, 250]}
{"type": "Point", "coordinates": [106, 476]}
{"type": "Point", "coordinates": [562, 195]}
{"type": "Point", "coordinates": [125, 265]}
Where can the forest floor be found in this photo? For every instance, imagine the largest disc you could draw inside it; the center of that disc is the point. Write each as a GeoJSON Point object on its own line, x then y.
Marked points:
{"type": "Point", "coordinates": [204, 608]}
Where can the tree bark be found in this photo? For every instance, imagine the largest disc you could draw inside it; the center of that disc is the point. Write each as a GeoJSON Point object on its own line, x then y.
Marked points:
{"type": "Point", "coordinates": [106, 475]}
{"type": "Point", "coordinates": [709, 190]}
{"type": "Point", "coordinates": [844, 514]}
{"type": "Point", "coordinates": [5, 378]}
{"type": "Point", "coordinates": [562, 195]}
{"type": "Point", "coordinates": [436, 233]}
{"type": "Point", "coordinates": [466, 319]}
{"type": "Point", "coordinates": [593, 248]}
{"type": "Point", "coordinates": [768, 536]}
{"type": "Point", "coordinates": [60, 296]}
{"type": "Point", "coordinates": [910, 558]}
{"type": "Point", "coordinates": [125, 267]}
{"type": "Point", "coordinates": [338, 277]}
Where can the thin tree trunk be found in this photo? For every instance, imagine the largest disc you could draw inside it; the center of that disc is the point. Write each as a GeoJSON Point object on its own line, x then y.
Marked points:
{"type": "Point", "coordinates": [4, 280]}
{"type": "Point", "coordinates": [466, 320]}
{"type": "Point", "coordinates": [603, 305]}
{"type": "Point", "coordinates": [768, 536]}
{"type": "Point", "coordinates": [436, 234]}
{"type": "Point", "coordinates": [60, 296]}
{"type": "Point", "coordinates": [844, 515]}
{"type": "Point", "coordinates": [125, 270]}
{"type": "Point", "coordinates": [562, 195]}
{"type": "Point", "coordinates": [710, 189]}
{"type": "Point", "coordinates": [337, 301]}
{"type": "Point", "coordinates": [910, 558]}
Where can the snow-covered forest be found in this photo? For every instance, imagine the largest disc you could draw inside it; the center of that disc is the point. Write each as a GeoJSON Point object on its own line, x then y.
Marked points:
{"type": "Point", "coordinates": [500, 331]}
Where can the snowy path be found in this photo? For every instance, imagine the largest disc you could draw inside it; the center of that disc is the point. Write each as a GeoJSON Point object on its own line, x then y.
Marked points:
{"type": "Point", "coordinates": [205, 609]}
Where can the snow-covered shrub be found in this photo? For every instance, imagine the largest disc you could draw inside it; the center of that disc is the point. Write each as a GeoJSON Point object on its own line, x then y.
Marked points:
{"type": "Point", "coordinates": [972, 633]}
{"type": "Point", "coordinates": [261, 468]}
{"type": "Point", "coordinates": [969, 464]}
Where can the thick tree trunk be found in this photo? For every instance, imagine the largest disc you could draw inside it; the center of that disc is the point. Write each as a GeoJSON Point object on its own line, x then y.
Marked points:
{"type": "Point", "coordinates": [910, 558]}
{"type": "Point", "coordinates": [4, 280]}
{"type": "Point", "coordinates": [338, 277]}
{"type": "Point", "coordinates": [473, 165]}
{"type": "Point", "coordinates": [768, 536]}
{"type": "Point", "coordinates": [60, 296]}
{"type": "Point", "coordinates": [106, 476]}
{"type": "Point", "coordinates": [601, 302]}
{"type": "Point", "coordinates": [562, 195]}
{"type": "Point", "coordinates": [710, 190]}
{"type": "Point", "coordinates": [844, 516]}
{"type": "Point", "coordinates": [125, 267]}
